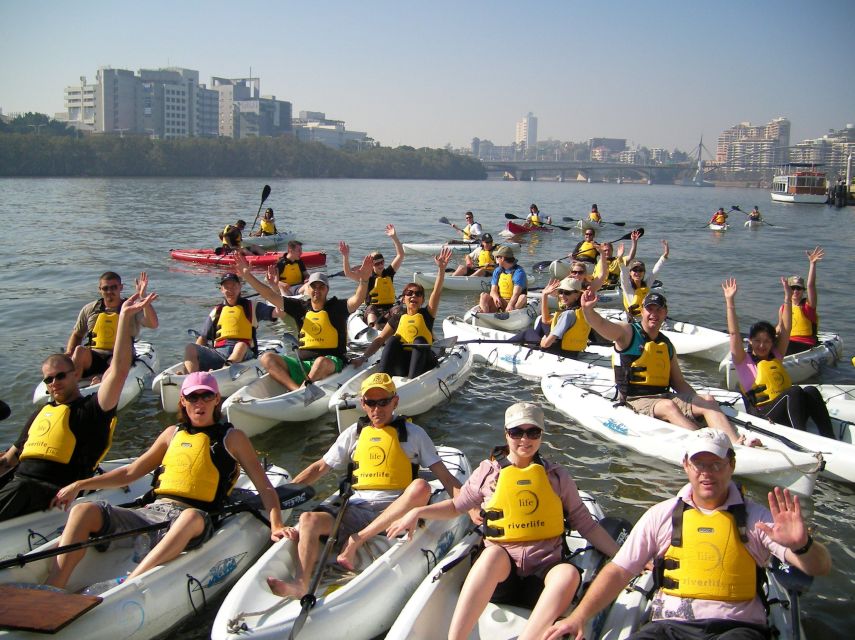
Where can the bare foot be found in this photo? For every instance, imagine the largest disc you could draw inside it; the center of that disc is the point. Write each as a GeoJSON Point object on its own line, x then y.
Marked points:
{"type": "Point", "coordinates": [285, 589]}
{"type": "Point", "coordinates": [95, 380]}
{"type": "Point", "coordinates": [347, 557]}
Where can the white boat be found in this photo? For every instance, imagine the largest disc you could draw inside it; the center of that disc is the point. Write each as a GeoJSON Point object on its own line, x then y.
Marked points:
{"type": "Point", "coordinates": [719, 227]}
{"type": "Point", "coordinates": [839, 400]}
{"type": "Point", "coordinates": [800, 183]}
{"type": "Point", "coordinates": [139, 378]}
{"type": "Point", "coordinates": [229, 379]}
{"type": "Point", "coordinates": [589, 401]}
{"type": "Point", "coordinates": [800, 366]}
{"type": "Point", "coordinates": [753, 224]}
{"type": "Point", "coordinates": [151, 604]}
{"type": "Point", "coordinates": [416, 395]}
{"type": "Point", "coordinates": [427, 614]}
{"type": "Point", "coordinates": [359, 334]}
{"type": "Point", "coordinates": [515, 320]}
{"type": "Point", "coordinates": [454, 283]}
{"type": "Point", "coordinates": [276, 242]}
{"type": "Point", "coordinates": [605, 298]}
{"type": "Point", "coordinates": [456, 246]}
{"type": "Point", "coordinates": [588, 224]}
{"type": "Point", "coordinates": [353, 606]}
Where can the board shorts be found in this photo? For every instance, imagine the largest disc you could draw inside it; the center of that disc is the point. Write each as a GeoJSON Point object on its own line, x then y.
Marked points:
{"type": "Point", "coordinates": [643, 405]}
{"type": "Point", "coordinates": [117, 519]}
{"type": "Point", "coordinates": [211, 358]}
{"type": "Point", "coordinates": [100, 363]}
{"type": "Point", "coordinates": [357, 516]}
{"type": "Point", "coordinates": [523, 591]}
{"type": "Point", "coordinates": [298, 369]}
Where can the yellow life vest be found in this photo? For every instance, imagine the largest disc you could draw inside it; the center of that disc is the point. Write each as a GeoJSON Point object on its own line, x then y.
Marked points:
{"type": "Point", "coordinates": [486, 260]}
{"type": "Point", "coordinates": [103, 334]}
{"type": "Point", "coordinates": [467, 233]}
{"type": "Point", "coordinates": [383, 291]}
{"type": "Point", "coordinates": [802, 326]}
{"type": "Point", "coordinates": [708, 559]}
{"type": "Point", "coordinates": [632, 304]}
{"type": "Point", "coordinates": [576, 337]}
{"type": "Point", "coordinates": [534, 220]}
{"type": "Point", "coordinates": [413, 326]}
{"type": "Point", "coordinates": [649, 372]}
{"type": "Point", "coordinates": [587, 252]}
{"type": "Point", "coordinates": [771, 381]}
{"type": "Point", "coordinates": [506, 284]}
{"type": "Point", "coordinates": [317, 331]}
{"type": "Point", "coordinates": [232, 322]}
{"type": "Point", "coordinates": [594, 217]}
{"type": "Point", "coordinates": [381, 464]}
{"type": "Point", "coordinates": [50, 437]}
{"type": "Point", "coordinates": [197, 467]}
{"type": "Point", "coordinates": [719, 218]}
{"type": "Point", "coordinates": [524, 506]}
{"type": "Point", "coordinates": [291, 273]}
{"type": "Point", "coordinates": [225, 236]}
{"type": "Point", "coordinates": [268, 227]}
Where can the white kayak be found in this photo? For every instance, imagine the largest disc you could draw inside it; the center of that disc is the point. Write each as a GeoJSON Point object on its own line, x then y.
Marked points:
{"type": "Point", "coordinates": [229, 379]}
{"type": "Point", "coordinates": [454, 283]}
{"type": "Point", "coordinates": [139, 378]}
{"type": "Point", "coordinates": [349, 605]}
{"type": "Point", "coordinates": [427, 614]}
{"type": "Point", "coordinates": [589, 401]}
{"type": "Point", "coordinates": [359, 334]}
{"type": "Point", "coordinates": [839, 400]}
{"type": "Point", "coordinates": [264, 403]}
{"type": "Point", "coordinates": [605, 298]}
{"type": "Point", "coordinates": [753, 224]}
{"type": "Point", "coordinates": [719, 227]}
{"type": "Point", "coordinates": [456, 246]}
{"type": "Point", "coordinates": [151, 604]}
{"type": "Point", "coordinates": [24, 533]}
{"type": "Point", "coordinates": [800, 366]}
{"type": "Point", "coordinates": [416, 395]}
{"type": "Point", "coordinates": [276, 242]}
{"type": "Point", "coordinates": [515, 320]}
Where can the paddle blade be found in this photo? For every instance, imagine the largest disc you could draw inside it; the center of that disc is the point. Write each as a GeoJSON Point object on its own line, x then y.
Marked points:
{"type": "Point", "coordinates": [569, 219]}
{"type": "Point", "coordinates": [312, 394]}
{"type": "Point", "coordinates": [736, 208]}
{"type": "Point", "coordinates": [511, 216]}
{"type": "Point", "coordinates": [541, 266]}
{"type": "Point", "coordinates": [444, 220]}
{"type": "Point", "coordinates": [265, 192]}
{"type": "Point", "coordinates": [617, 528]}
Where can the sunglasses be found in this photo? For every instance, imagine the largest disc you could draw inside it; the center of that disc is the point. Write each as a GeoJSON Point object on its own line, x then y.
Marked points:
{"type": "Point", "coordinates": [565, 292]}
{"type": "Point", "coordinates": [380, 402]}
{"type": "Point", "coordinates": [797, 288]}
{"type": "Point", "coordinates": [517, 433]}
{"type": "Point", "coordinates": [110, 287]}
{"type": "Point", "coordinates": [413, 293]}
{"type": "Point", "coordinates": [58, 377]}
{"type": "Point", "coordinates": [579, 273]}
{"type": "Point", "coordinates": [707, 467]}
{"type": "Point", "coordinates": [638, 270]}
{"type": "Point", "coordinates": [379, 262]}
{"type": "Point", "coordinates": [204, 396]}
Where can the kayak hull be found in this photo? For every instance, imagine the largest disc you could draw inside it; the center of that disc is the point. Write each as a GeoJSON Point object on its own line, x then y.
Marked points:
{"type": "Point", "coordinates": [208, 256]}
{"type": "Point", "coordinates": [454, 283]}
{"type": "Point", "coordinates": [515, 320]}
{"type": "Point", "coordinates": [277, 242]}
{"type": "Point", "coordinates": [456, 246]}
{"type": "Point", "coordinates": [514, 229]}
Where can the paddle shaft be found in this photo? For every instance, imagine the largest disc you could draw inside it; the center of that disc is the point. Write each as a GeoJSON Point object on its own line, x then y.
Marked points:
{"type": "Point", "coordinates": [511, 216]}
{"type": "Point", "coordinates": [617, 224]}
{"type": "Point", "coordinates": [766, 432]}
{"type": "Point", "coordinates": [539, 266]}
{"type": "Point", "coordinates": [265, 192]}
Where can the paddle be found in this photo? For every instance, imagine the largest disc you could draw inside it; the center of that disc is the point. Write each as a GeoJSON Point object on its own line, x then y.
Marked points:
{"type": "Point", "coordinates": [733, 207]}
{"type": "Point", "coordinates": [766, 432]}
{"type": "Point", "coordinates": [312, 392]}
{"type": "Point", "coordinates": [511, 216]}
{"type": "Point", "coordinates": [308, 600]}
{"type": "Point", "coordinates": [569, 219]}
{"type": "Point", "coordinates": [290, 496]}
{"type": "Point", "coordinates": [706, 226]}
{"type": "Point", "coordinates": [540, 266]}
{"type": "Point", "coordinates": [474, 239]}
{"type": "Point", "coordinates": [264, 193]}
{"type": "Point", "coordinates": [796, 582]}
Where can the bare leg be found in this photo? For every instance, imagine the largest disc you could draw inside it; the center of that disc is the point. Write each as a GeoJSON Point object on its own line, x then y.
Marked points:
{"type": "Point", "coordinates": [83, 520]}
{"type": "Point", "coordinates": [491, 567]}
{"type": "Point", "coordinates": [191, 358]}
{"type": "Point", "coordinates": [187, 526]}
{"type": "Point", "coordinates": [82, 359]}
{"type": "Point", "coordinates": [706, 407]}
{"type": "Point", "coordinates": [278, 370]}
{"type": "Point", "coordinates": [321, 368]}
{"type": "Point", "coordinates": [313, 524]}
{"type": "Point", "coordinates": [560, 585]}
{"type": "Point", "coordinates": [487, 304]}
{"type": "Point", "coordinates": [238, 353]}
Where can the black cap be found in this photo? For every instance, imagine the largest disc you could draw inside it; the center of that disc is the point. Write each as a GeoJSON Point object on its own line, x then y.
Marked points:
{"type": "Point", "coordinates": [654, 298]}
{"type": "Point", "coordinates": [5, 411]}
{"type": "Point", "coordinates": [229, 276]}
{"type": "Point", "coordinates": [486, 238]}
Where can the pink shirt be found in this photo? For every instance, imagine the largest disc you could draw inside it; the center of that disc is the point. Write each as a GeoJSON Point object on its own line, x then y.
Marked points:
{"type": "Point", "coordinates": [747, 369]}
{"type": "Point", "coordinates": [651, 537]}
{"type": "Point", "coordinates": [529, 557]}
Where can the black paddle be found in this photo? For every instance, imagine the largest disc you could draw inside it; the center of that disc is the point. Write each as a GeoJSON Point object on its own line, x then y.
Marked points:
{"type": "Point", "coordinates": [511, 216]}
{"type": "Point", "coordinates": [733, 207]}
{"type": "Point", "coordinates": [569, 219]}
{"type": "Point", "coordinates": [313, 393]}
{"type": "Point", "coordinates": [475, 239]}
{"type": "Point", "coordinates": [796, 583]}
{"type": "Point", "coordinates": [540, 266]}
{"type": "Point", "coordinates": [290, 496]}
{"type": "Point", "coordinates": [264, 193]}
{"type": "Point", "coordinates": [308, 600]}
{"type": "Point", "coordinates": [766, 432]}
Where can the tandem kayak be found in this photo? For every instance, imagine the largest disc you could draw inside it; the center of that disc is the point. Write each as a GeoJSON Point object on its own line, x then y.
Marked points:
{"type": "Point", "coordinates": [356, 606]}
{"type": "Point", "coordinates": [454, 283]}
{"type": "Point", "coordinates": [208, 256]}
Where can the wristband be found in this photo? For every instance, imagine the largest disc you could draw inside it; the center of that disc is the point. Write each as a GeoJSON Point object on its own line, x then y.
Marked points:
{"type": "Point", "coordinates": [803, 550]}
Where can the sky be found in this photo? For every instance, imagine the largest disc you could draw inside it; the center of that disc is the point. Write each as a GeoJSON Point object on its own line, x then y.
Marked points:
{"type": "Point", "coordinates": [658, 73]}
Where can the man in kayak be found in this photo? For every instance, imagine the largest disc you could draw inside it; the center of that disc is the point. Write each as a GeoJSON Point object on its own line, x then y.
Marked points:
{"type": "Point", "coordinates": [697, 597]}
{"type": "Point", "coordinates": [535, 219]}
{"type": "Point", "coordinates": [586, 250]}
{"type": "Point", "coordinates": [472, 231]}
{"type": "Point", "coordinates": [65, 440]}
{"type": "Point", "coordinates": [382, 493]}
{"type": "Point", "coordinates": [322, 322]}
{"type": "Point", "coordinates": [381, 288]}
{"type": "Point", "coordinates": [480, 261]}
{"type": "Point", "coordinates": [97, 321]}
{"type": "Point", "coordinates": [230, 330]}
{"type": "Point", "coordinates": [648, 369]}
{"type": "Point", "coordinates": [719, 217]}
{"type": "Point", "coordinates": [291, 272]}
{"type": "Point", "coordinates": [509, 284]}
{"type": "Point", "coordinates": [803, 335]}
{"type": "Point", "coordinates": [232, 238]}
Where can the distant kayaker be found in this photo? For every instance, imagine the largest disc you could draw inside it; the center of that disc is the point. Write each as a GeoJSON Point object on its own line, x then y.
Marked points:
{"type": "Point", "coordinates": [479, 261]}
{"type": "Point", "coordinates": [96, 323]}
{"type": "Point", "coordinates": [805, 319]}
{"type": "Point", "coordinates": [268, 224]}
{"type": "Point", "coordinates": [522, 563]}
{"type": "Point", "coordinates": [586, 250]}
{"type": "Point", "coordinates": [232, 240]}
{"type": "Point", "coordinates": [380, 496]}
{"type": "Point", "coordinates": [73, 432]}
{"type": "Point", "coordinates": [696, 597]}
{"type": "Point", "coordinates": [184, 493]}
{"type": "Point", "coordinates": [754, 215]}
{"type": "Point", "coordinates": [291, 274]}
{"type": "Point", "coordinates": [472, 231]}
{"type": "Point", "coordinates": [595, 216]}
{"type": "Point", "coordinates": [647, 373]}
{"type": "Point", "coordinates": [508, 286]}
{"type": "Point", "coordinates": [719, 217]}
{"type": "Point", "coordinates": [535, 218]}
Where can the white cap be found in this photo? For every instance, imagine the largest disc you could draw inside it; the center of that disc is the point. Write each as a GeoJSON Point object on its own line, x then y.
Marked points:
{"type": "Point", "coordinates": [710, 441]}
{"type": "Point", "coordinates": [523, 413]}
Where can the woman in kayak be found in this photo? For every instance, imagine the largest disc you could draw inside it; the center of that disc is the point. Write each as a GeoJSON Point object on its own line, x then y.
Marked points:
{"type": "Point", "coordinates": [805, 323]}
{"type": "Point", "coordinates": [763, 380]}
{"type": "Point", "coordinates": [595, 216]}
{"type": "Point", "coordinates": [633, 280]}
{"type": "Point", "coordinates": [522, 562]}
{"type": "Point", "coordinates": [564, 332]}
{"type": "Point", "coordinates": [411, 324]}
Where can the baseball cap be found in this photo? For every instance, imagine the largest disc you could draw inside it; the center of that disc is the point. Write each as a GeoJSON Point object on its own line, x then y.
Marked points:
{"type": "Point", "coordinates": [504, 252]}
{"type": "Point", "coordinates": [709, 441]}
{"type": "Point", "coordinates": [229, 276]}
{"type": "Point", "coordinates": [319, 277]}
{"type": "Point", "coordinates": [199, 381]}
{"type": "Point", "coordinates": [5, 411]}
{"type": "Point", "coordinates": [570, 284]}
{"type": "Point", "coordinates": [486, 238]}
{"type": "Point", "coordinates": [378, 381]}
{"type": "Point", "coordinates": [637, 263]}
{"type": "Point", "coordinates": [796, 281]}
{"type": "Point", "coordinates": [523, 413]}
{"type": "Point", "coordinates": [654, 298]}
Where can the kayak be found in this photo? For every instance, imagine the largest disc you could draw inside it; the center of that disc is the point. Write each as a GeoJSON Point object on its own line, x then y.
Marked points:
{"type": "Point", "coordinates": [839, 400]}
{"type": "Point", "coordinates": [454, 283]}
{"type": "Point", "coordinates": [514, 320]}
{"type": "Point", "coordinates": [277, 242]}
{"type": "Point", "coordinates": [359, 334]}
{"type": "Point", "coordinates": [753, 224]}
{"type": "Point", "coordinates": [514, 228]}
{"type": "Point", "coordinates": [24, 533]}
{"type": "Point", "coordinates": [229, 379]}
{"type": "Point", "coordinates": [719, 227]}
{"type": "Point", "coordinates": [139, 378]}
{"type": "Point", "coordinates": [263, 403]}
{"type": "Point", "coordinates": [588, 400]}
{"type": "Point", "coordinates": [605, 298]}
{"type": "Point", "coordinates": [151, 604]}
{"type": "Point", "coordinates": [588, 224]}
{"type": "Point", "coordinates": [416, 395]}
{"type": "Point", "coordinates": [427, 614]}
{"type": "Point", "coordinates": [208, 256]}
{"type": "Point", "coordinates": [456, 246]}
{"type": "Point", "coordinates": [356, 606]}
{"type": "Point", "coordinates": [800, 366]}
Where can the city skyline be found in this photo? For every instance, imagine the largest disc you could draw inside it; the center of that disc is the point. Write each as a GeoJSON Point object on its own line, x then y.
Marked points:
{"type": "Point", "coordinates": [659, 75]}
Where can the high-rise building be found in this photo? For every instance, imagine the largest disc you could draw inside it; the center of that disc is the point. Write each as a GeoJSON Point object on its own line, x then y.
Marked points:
{"type": "Point", "coordinates": [244, 113]}
{"type": "Point", "coordinates": [80, 106]}
{"type": "Point", "coordinates": [118, 101]}
{"type": "Point", "coordinates": [831, 150]}
{"type": "Point", "coordinates": [746, 146]}
{"type": "Point", "coordinates": [526, 134]}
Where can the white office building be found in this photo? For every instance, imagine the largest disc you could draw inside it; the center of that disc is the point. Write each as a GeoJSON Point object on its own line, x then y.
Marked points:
{"type": "Point", "coordinates": [526, 134]}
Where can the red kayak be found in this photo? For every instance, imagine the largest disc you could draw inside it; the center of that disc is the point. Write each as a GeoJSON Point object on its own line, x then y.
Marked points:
{"type": "Point", "coordinates": [208, 256]}
{"type": "Point", "coordinates": [515, 228]}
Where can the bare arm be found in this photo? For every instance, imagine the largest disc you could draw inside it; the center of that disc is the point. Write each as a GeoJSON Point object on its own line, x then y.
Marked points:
{"type": "Point", "coordinates": [272, 296]}
{"type": "Point", "coordinates": [375, 345]}
{"type": "Point", "coordinates": [245, 454]}
{"type": "Point", "coordinates": [344, 249]}
{"type": "Point", "coordinates": [363, 273]}
{"type": "Point", "coordinates": [313, 472]}
{"type": "Point", "coordinates": [785, 323]}
{"type": "Point", "coordinates": [449, 482]}
{"type": "Point", "coordinates": [399, 248]}
{"type": "Point", "coordinates": [149, 320]}
{"type": "Point", "coordinates": [813, 257]}
{"type": "Point", "coordinates": [545, 313]}
{"type": "Point", "coordinates": [737, 350]}
{"type": "Point", "coordinates": [438, 511]}
{"type": "Point", "coordinates": [618, 332]}
{"type": "Point", "coordinates": [441, 263]}
{"type": "Point", "coordinates": [678, 382]}
{"type": "Point", "coordinates": [597, 282]}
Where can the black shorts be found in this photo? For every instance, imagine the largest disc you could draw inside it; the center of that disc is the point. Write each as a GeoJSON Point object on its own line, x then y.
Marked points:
{"type": "Point", "coordinates": [100, 363]}
{"type": "Point", "coordinates": [522, 591]}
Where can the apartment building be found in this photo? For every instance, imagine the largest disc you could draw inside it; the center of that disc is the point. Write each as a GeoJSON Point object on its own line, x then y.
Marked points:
{"type": "Point", "coordinates": [746, 146]}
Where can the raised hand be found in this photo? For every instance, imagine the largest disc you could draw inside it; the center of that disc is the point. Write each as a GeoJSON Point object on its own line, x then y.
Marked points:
{"type": "Point", "coordinates": [665, 248]}
{"type": "Point", "coordinates": [620, 250]}
{"type": "Point", "coordinates": [729, 288]}
{"type": "Point", "coordinates": [273, 275]}
{"type": "Point", "coordinates": [788, 526]}
{"type": "Point", "coordinates": [442, 259]}
{"type": "Point", "coordinates": [137, 303]}
{"type": "Point", "coordinates": [816, 255]}
{"type": "Point", "coordinates": [551, 287]}
{"type": "Point", "coordinates": [141, 283]}
{"type": "Point", "coordinates": [241, 265]}
{"type": "Point", "coordinates": [365, 269]}
{"type": "Point", "coordinates": [390, 230]}
{"type": "Point", "coordinates": [343, 249]}
{"type": "Point", "coordinates": [588, 299]}
{"type": "Point", "coordinates": [635, 235]}
{"type": "Point", "coordinates": [788, 290]}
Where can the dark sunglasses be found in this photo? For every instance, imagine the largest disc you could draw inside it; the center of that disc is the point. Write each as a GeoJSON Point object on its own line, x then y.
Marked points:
{"type": "Point", "coordinates": [110, 287]}
{"type": "Point", "coordinates": [579, 273]}
{"type": "Point", "coordinates": [58, 377]}
{"type": "Point", "coordinates": [412, 292]}
{"type": "Point", "coordinates": [204, 396]}
{"type": "Point", "coordinates": [532, 433]}
{"type": "Point", "coordinates": [797, 288]}
{"type": "Point", "coordinates": [381, 402]}
{"type": "Point", "coordinates": [638, 270]}
{"type": "Point", "coordinates": [565, 292]}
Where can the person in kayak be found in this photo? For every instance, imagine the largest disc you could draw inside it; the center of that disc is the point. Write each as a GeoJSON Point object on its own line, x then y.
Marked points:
{"type": "Point", "coordinates": [564, 332]}
{"type": "Point", "coordinates": [183, 494]}
{"type": "Point", "coordinates": [479, 261]}
{"type": "Point", "coordinates": [70, 434]}
{"type": "Point", "coordinates": [522, 562]}
{"type": "Point", "coordinates": [290, 273]}
{"type": "Point", "coordinates": [754, 215]}
{"type": "Point", "coordinates": [719, 217]}
{"type": "Point", "coordinates": [231, 238]}
{"type": "Point", "coordinates": [472, 231]}
{"type": "Point", "coordinates": [268, 224]}
{"type": "Point", "coordinates": [633, 282]}
{"type": "Point", "coordinates": [803, 335]}
{"type": "Point", "coordinates": [230, 329]}
{"type": "Point", "coordinates": [323, 327]}
{"type": "Point", "coordinates": [508, 286]}
{"type": "Point", "coordinates": [535, 219]}
{"type": "Point", "coordinates": [647, 370]}
{"type": "Point", "coordinates": [697, 598]}
{"type": "Point", "coordinates": [595, 216]}
{"type": "Point", "coordinates": [410, 324]}
{"type": "Point", "coordinates": [763, 380]}
{"type": "Point", "coordinates": [96, 323]}
{"type": "Point", "coordinates": [380, 496]}
{"type": "Point", "coordinates": [586, 250]}
{"type": "Point", "coordinates": [608, 266]}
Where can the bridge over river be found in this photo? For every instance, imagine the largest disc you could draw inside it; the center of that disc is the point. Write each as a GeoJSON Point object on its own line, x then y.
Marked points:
{"type": "Point", "coordinates": [592, 171]}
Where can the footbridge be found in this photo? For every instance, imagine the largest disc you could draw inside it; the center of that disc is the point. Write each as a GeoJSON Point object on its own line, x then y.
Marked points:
{"type": "Point", "coordinates": [587, 170]}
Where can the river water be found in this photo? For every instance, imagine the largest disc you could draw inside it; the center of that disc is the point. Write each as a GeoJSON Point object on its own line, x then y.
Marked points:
{"type": "Point", "coordinates": [71, 230]}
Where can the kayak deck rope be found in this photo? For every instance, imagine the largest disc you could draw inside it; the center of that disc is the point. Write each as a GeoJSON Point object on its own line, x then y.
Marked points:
{"type": "Point", "coordinates": [237, 624]}
{"type": "Point", "coordinates": [190, 582]}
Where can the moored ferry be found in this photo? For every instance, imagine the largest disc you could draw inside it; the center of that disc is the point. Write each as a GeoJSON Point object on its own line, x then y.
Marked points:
{"type": "Point", "coordinates": [800, 183]}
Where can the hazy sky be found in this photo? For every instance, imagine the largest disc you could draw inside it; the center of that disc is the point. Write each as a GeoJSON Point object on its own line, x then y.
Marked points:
{"type": "Point", "coordinates": [437, 72]}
